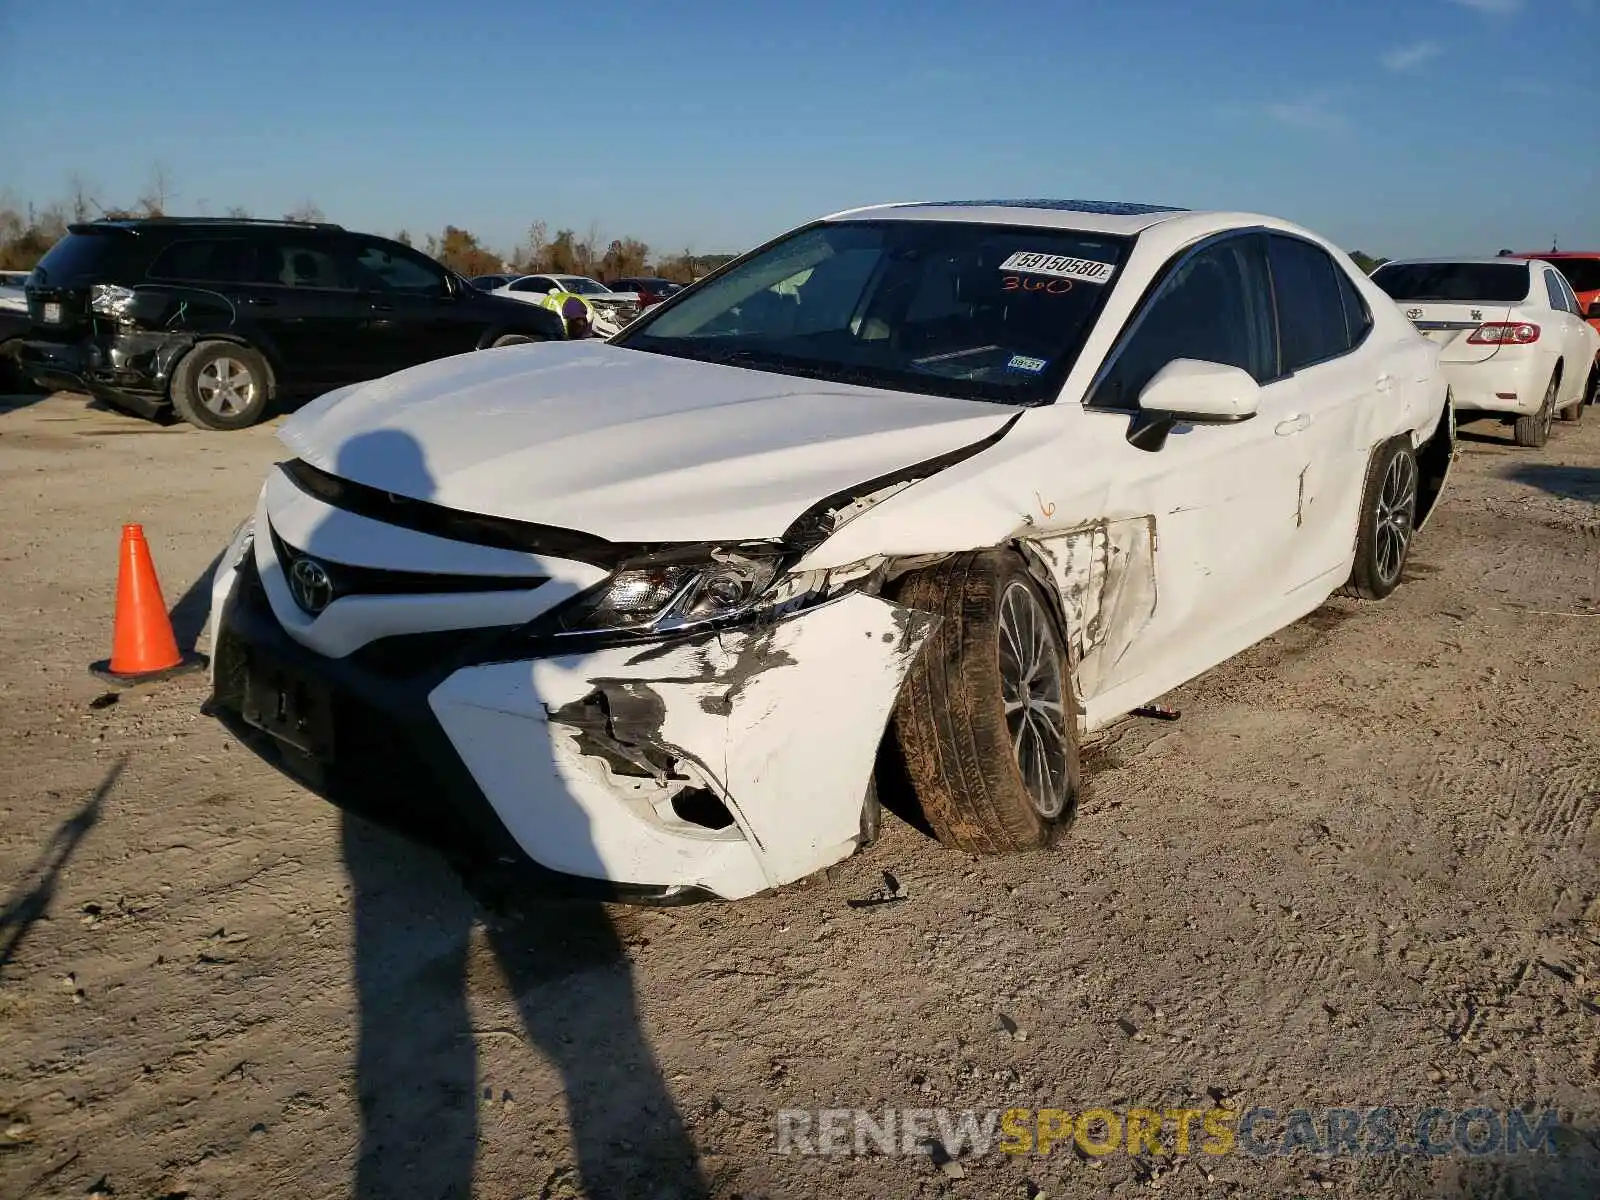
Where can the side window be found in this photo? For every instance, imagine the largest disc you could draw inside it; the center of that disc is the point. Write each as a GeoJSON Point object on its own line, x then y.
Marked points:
{"type": "Point", "coordinates": [1573, 306]}
{"type": "Point", "coordinates": [297, 263]}
{"type": "Point", "coordinates": [211, 260]}
{"type": "Point", "coordinates": [1216, 306]}
{"type": "Point", "coordinates": [1312, 326]}
{"type": "Point", "coordinates": [1357, 316]}
{"type": "Point", "coordinates": [381, 269]}
{"type": "Point", "coordinates": [1558, 300]}
{"type": "Point", "coordinates": [532, 284]}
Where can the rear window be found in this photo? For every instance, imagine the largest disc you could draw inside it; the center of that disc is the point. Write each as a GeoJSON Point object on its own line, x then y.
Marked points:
{"type": "Point", "coordinates": [1582, 273]}
{"type": "Point", "coordinates": [1467, 283]}
{"type": "Point", "coordinates": [81, 258]}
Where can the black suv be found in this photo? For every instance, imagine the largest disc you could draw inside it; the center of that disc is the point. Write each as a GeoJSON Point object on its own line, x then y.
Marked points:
{"type": "Point", "coordinates": [218, 317]}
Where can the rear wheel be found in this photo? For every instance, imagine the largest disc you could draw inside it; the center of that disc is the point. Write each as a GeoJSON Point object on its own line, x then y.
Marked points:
{"type": "Point", "coordinates": [987, 721]}
{"type": "Point", "coordinates": [1388, 519]}
{"type": "Point", "coordinates": [221, 385]}
{"type": "Point", "coordinates": [1533, 430]}
{"type": "Point", "coordinates": [511, 339]}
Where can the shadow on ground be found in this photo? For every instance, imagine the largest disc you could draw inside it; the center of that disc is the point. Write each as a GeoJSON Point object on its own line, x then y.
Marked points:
{"type": "Point", "coordinates": [30, 900]}
{"type": "Point", "coordinates": [403, 793]}
{"type": "Point", "coordinates": [1572, 483]}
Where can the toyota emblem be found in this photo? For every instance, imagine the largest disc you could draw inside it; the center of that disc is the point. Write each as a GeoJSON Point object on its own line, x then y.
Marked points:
{"type": "Point", "coordinates": [1413, 313]}
{"type": "Point", "coordinates": [310, 585]}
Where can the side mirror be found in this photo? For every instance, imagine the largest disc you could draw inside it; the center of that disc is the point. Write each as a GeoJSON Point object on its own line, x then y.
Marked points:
{"type": "Point", "coordinates": [1194, 392]}
{"type": "Point", "coordinates": [1594, 310]}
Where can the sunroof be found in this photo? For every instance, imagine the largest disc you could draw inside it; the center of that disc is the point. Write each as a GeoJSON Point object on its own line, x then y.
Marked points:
{"type": "Point", "coordinates": [1104, 208]}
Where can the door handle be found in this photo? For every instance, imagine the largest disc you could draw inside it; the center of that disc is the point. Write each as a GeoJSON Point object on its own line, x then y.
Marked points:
{"type": "Point", "coordinates": [382, 308]}
{"type": "Point", "coordinates": [1292, 424]}
{"type": "Point", "coordinates": [258, 301]}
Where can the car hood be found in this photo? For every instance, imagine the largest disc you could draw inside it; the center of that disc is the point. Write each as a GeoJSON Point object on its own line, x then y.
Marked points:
{"type": "Point", "coordinates": [625, 445]}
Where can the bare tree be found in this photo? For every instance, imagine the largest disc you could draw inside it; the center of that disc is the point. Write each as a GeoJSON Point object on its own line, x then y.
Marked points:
{"type": "Point", "coordinates": [306, 210]}
{"type": "Point", "coordinates": [239, 213]}
{"type": "Point", "coordinates": [81, 197]}
{"type": "Point", "coordinates": [158, 193]}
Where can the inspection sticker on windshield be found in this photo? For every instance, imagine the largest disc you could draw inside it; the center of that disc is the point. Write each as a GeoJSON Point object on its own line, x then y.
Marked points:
{"type": "Point", "coordinates": [1060, 265]}
{"type": "Point", "coordinates": [1031, 366]}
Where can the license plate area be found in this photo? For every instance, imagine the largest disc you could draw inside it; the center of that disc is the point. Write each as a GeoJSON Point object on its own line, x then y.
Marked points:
{"type": "Point", "coordinates": [293, 708]}
{"type": "Point", "coordinates": [52, 313]}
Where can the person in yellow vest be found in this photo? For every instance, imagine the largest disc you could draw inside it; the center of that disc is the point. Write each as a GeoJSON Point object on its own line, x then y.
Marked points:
{"type": "Point", "coordinates": [575, 310]}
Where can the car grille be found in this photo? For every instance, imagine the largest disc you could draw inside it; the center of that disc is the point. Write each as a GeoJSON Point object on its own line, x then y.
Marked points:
{"type": "Point", "coordinates": [349, 580]}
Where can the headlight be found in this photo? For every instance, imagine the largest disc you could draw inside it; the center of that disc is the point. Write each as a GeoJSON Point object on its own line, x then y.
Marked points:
{"type": "Point", "coordinates": [111, 300]}
{"type": "Point", "coordinates": [660, 598]}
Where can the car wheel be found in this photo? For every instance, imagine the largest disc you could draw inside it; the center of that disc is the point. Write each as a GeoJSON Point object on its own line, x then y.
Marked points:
{"type": "Point", "coordinates": [221, 385]}
{"type": "Point", "coordinates": [1388, 520]}
{"type": "Point", "coordinates": [1533, 430]}
{"type": "Point", "coordinates": [987, 721]}
{"type": "Point", "coordinates": [512, 339]}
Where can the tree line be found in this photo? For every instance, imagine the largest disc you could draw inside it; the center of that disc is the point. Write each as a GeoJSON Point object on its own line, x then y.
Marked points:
{"type": "Point", "coordinates": [27, 232]}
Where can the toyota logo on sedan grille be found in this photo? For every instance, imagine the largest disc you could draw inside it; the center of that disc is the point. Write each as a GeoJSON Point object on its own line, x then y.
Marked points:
{"type": "Point", "coordinates": [1413, 313]}
{"type": "Point", "coordinates": [310, 585]}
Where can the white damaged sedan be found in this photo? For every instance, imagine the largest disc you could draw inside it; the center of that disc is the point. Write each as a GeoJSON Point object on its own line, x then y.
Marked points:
{"type": "Point", "coordinates": [952, 486]}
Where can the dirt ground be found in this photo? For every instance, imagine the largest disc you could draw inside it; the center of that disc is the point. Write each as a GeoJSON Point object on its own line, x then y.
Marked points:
{"type": "Point", "coordinates": [1362, 870]}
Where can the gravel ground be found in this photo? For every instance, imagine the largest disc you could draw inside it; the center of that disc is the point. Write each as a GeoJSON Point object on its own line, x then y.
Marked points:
{"type": "Point", "coordinates": [1360, 871]}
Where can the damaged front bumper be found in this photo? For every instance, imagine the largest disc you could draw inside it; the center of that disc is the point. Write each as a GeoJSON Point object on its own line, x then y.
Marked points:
{"type": "Point", "coordinates": [709, 766]}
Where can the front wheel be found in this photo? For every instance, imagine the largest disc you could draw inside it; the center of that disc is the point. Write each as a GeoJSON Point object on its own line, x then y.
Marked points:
{"type": "Point", "coordinates": [511, 339]}
{"type": "Point", "coordinates": [1388, 520]}
{"type": "Point", "coordinates": [1533, 431]}
{"type": "Point", "coordinates": [987, 721]}
{"type": "Point", "coordinates": [221, 385]}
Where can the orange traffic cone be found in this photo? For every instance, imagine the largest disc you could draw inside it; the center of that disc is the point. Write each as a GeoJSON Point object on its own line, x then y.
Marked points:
{"type": "Point", "coordinates": [143, 646]}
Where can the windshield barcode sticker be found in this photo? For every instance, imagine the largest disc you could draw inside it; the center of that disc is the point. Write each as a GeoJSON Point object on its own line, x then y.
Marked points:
{"type": "Point", "coordinates": [1059, 265]}
{"type": "Point", "coordinates": [1027, 364]}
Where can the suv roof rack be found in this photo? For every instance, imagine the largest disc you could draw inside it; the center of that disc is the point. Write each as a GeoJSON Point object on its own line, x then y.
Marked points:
{"type": "Point", "coordinates": [134, 222]}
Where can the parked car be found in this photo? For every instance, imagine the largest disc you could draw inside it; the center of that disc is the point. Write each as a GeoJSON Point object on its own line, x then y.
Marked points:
{"type": "Point", "coordinates": [14, 327]}
{"type": "Point", "coordinates": [1581, 270]}
{"type": "Point", "coordinates": [1512, 340]}
{"type": "Point", "coordinates": [610, 310]}
{"type": "Point", "coordinates": [12, 295]}
{"type": "Point", "coordinates": [650, 290]}
{"type": "Point", "coordinates": [965, 481]}
{"type": "Point", "coordinates": [217, 317]}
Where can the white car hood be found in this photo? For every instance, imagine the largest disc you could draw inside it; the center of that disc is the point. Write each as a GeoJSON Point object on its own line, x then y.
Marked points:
{"type": "Point", "coordinates": [625, 445]}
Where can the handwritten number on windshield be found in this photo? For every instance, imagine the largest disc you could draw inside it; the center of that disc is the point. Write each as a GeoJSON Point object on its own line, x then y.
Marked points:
{"type": "Point", "coordinates": [1053, 287]}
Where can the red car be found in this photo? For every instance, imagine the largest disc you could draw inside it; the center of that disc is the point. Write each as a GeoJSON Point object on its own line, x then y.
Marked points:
{"type": "Point", "coordinates": [1581, 269]}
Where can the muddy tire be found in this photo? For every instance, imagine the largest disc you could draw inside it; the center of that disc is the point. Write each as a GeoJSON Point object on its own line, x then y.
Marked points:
{"type": "Point", "coordinates": [1388, 522]}
{"type": "Point", "coordinates": [221, 386]}
{"type": "Point", "coordinates": [987, 721]}
{"type": "Point", "coordinates": [1533, 430]}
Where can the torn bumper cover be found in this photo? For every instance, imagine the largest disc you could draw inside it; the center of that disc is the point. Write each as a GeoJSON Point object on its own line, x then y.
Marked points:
{"type": "Point", "coordinates": [132, 369]}
{"type": "Point", "coordinates": [715, 765]}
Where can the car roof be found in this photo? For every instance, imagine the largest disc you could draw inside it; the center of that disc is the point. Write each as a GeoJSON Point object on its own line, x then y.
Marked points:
{"type": "Point", "coordinates": [1555, 254]}
{"type": "Point", "coordinates": [1091, 216]}
{"type": "Point", "coordinates": [1463, 260]}
{"type": "Point", "coordinates": [133, 224]}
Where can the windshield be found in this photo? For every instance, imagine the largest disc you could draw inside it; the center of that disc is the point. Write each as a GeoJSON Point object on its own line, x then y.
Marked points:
{"type": "Point", "coordinates": [979, 312]}
{"type": "Point", "coordinates": [1466, 283]}
{"type": "Point", "coordinates": [1582, 273]}
{"type": "Point", "coordinates": [581, 286]}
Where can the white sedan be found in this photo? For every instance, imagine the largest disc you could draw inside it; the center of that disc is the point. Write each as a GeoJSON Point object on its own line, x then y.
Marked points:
{"type": "Point", "coordinates": [1512, 336]}
{"type": "Point", "coordinates": [612, 310]}
{"type": "Point", "coordinates": [961, 482]}
{"type": "Point", "coordinates": [12, 295]}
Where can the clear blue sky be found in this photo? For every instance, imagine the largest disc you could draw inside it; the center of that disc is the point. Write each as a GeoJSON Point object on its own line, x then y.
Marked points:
{"type": "Point", "coordinates": [1394, 126]}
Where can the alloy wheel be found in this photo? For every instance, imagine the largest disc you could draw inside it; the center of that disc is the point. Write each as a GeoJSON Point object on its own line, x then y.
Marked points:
{"type": "Point", "coordinates": [1031, 688]}
{"type": "Point", "coordinates": [1396, 516]}
{"type": "Point", "coordinates": [226, 386]}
